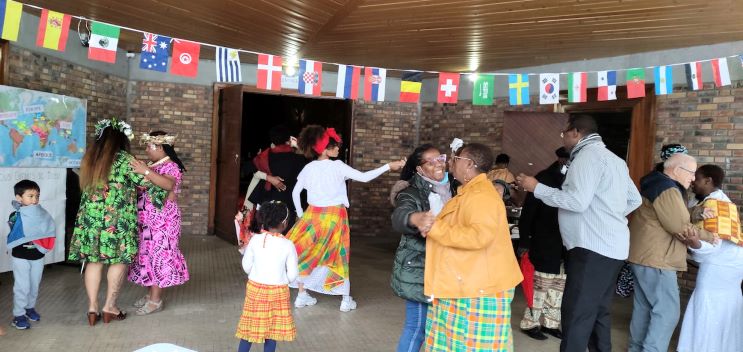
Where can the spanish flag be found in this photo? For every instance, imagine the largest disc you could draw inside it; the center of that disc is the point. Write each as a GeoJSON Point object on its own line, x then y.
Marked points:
{"type": "Point", "coordinates": [53, 30]}
{"type": "Point", "coordinates": [10, 19]}
{"type": "Point", "coordinates": [410, 87]}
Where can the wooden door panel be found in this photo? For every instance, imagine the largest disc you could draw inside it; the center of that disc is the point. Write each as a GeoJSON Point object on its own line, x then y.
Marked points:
{"type": "Point", "coordinates": [530, 139]}
{"type": "Point", "coordinates": [228, 162]}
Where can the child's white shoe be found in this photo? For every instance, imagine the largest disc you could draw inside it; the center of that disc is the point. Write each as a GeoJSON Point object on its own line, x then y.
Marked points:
{"type": "Point", "coordinates": [304, 299]}
{"type": "Point", "coordinates": [347, 304]}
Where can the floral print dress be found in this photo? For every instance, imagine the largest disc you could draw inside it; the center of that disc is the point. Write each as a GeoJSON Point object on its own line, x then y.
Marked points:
{"type": "Point", "coordinates": [160, 261]}
{"type": "Point", "coordinates": [106, 226]}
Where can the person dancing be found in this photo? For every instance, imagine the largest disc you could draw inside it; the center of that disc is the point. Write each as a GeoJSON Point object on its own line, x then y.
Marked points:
{"type": "Point", "coordinates": [321, 235]}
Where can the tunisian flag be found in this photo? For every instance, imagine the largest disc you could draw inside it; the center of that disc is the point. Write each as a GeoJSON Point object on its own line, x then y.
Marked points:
{"type": "Point", "coordinates": [185, 58]}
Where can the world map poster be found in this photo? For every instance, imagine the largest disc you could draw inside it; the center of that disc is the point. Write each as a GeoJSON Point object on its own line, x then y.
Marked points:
{"type": "Point", "coordinates": [39, 129]}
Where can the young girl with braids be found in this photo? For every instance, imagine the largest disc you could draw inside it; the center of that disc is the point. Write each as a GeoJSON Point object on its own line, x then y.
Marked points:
{"type": "Point", "coordinates": [321, 235]}
{"type": "Point", "coordinates": [270, 261]}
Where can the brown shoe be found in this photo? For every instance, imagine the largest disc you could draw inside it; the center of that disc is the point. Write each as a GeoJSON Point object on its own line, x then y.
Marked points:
{"type": "Point", "coordinates": [108, 317]}
{"type": "Point", "coordinates": [93, 318]}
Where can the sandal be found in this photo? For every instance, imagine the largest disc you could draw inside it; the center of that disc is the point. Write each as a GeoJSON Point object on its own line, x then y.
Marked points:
{"type": "Point", "coordinates": [93, 318]}
{"type": "Point", "coordinates": [109, 317]}
{"type": "Point", "coordinates": [142, 301]}
{"type": "Point", "coordinates": [150, 307]}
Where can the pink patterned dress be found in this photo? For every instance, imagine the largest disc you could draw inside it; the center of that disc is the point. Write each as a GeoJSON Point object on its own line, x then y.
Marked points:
{"type": "Point", "coordinates": [159, 260]}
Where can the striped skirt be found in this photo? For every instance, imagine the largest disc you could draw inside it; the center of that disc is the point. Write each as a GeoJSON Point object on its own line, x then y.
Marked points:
{"type": "Point", "coordinates": [470, 324]}
{"type": "Point", "coordinates": [266, 314]}
{"type": "Point", "coordinates": [322, 239]}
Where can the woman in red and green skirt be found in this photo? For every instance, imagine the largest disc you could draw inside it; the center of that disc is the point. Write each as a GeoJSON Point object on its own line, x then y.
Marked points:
{"type": "Point", "coordinates": [321, 235]}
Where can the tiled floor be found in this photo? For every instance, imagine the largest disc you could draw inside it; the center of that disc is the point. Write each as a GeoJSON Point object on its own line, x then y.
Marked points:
{"type": "Point", "coordinates": [202, 314]}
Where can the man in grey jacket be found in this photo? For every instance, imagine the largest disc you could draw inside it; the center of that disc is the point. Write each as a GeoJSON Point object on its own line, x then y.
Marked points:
{"type": "Point", "coordinates": [593, 203]}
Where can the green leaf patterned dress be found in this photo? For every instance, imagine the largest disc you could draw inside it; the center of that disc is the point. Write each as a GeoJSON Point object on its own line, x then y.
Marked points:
{"type": "Point", "coordinates": [106, 227]}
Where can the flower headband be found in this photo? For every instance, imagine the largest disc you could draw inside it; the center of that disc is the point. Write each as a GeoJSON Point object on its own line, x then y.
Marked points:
{"type": "Point", "coordinates": [323, 142]}
{"type": "Point", "coordinates": [159, 140]}
{"type": "Point", "coordinates": [116, 124]}
{"type": "Point", "coordinates": [671, 149]}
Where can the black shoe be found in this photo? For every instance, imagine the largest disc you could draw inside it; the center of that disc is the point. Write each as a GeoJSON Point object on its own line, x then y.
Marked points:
{"type": "Point", "coordinates": [554, 332]}
{"type": "Point", "coordinates": [535, 333]}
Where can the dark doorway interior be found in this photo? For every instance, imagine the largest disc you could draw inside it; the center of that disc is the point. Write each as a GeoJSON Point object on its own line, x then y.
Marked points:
{"type": "Point", "coordinates": [261, 112]}
{"type": "Point", "coordinates": [614, 128]}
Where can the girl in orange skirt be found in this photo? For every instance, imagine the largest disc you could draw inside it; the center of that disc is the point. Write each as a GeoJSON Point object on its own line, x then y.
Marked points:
{"type": "Point", "coordinates": [270, 261]}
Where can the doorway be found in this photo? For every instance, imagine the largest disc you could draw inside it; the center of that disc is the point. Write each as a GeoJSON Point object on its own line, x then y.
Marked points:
{"type": "Point", "coordinates": [615, 129]}
{"type": "Point", "coordinates": [243, 118]}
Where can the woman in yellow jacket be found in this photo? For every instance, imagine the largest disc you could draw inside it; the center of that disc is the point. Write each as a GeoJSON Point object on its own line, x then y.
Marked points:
{"type": "Point", "coordinates": [471, 270]}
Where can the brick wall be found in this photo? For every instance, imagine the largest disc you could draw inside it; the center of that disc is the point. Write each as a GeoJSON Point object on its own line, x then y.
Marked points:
{"type": "Point", "coordinates": [185, 110]}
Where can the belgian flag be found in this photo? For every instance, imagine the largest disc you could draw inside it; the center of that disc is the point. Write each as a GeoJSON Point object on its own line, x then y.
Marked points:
{"type": "Point", "coordinates": [410, 87]}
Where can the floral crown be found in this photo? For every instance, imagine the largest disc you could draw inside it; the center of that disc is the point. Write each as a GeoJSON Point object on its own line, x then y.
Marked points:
{"type": "Point", "coordinates": [116, 124]}
{"type": "Point", "coordinates": [159, 140]}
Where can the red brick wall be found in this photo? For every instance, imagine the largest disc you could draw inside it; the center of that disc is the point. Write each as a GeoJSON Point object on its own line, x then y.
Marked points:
{"type": "Point", "coordinates": [185, 110]}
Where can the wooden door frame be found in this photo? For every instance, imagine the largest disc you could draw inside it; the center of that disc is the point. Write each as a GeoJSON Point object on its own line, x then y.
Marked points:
{"type": "Point", "coordinates": [640, 155]}
{"type": "Point", "coordinates": [215, 135]}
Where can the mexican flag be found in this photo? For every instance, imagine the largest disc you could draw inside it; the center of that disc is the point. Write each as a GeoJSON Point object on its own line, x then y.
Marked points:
{"type": "Point", "coordinates": [104, 39]}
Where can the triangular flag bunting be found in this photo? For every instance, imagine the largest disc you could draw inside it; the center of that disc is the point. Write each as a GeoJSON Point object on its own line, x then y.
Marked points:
{"type": "Point", "coordinates": [310, 77]}
{"type": "Point", "coordinates": [663, 76]}
{"type": "Point", "coordinates": [518, 89]}
{"type": "Point", "coordinates": [348, 82]}
{"type": "Point", "coordinates": [269, 72]}
{"type": "Point", "coordinates": [104, 39]}
{"type": "Point", "coordinates": [185, 58]}
{"type": "Point", "coordinates": [720, 72]}
{"type": "Point", "coordinates": [228, 65]}
{"type": "Point", "coordinates": [694, 75]}
{"type": "Point", "coordinates": [577, 82]}
{"type": "Point", "coordinates": [636, 83]}
{"type": "Point", "coordinates": [155, 51]}
{"type": "Point", "coordinates": [448, 91]}
{"type": "Point", "coordinates": [549, 88]}
{"type": "Point", "coordinates": [53, 30]}
{"type": "Point", "coordinates": [10, 15]}
{"type": "Point", "coordinates": [607, 85]}
{"type": "Point", "coordinates": [484, 90]}
{"type": "Point", "coordinates": [410, 86]}
{"type": "Point", "coordinates": [374, 83]}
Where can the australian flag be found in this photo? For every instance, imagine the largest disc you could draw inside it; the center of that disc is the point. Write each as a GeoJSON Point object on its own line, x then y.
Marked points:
{"type": "Point", "coordinates": [155, 50]}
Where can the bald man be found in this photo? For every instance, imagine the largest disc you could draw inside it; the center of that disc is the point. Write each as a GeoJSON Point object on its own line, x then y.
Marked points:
{"type": "Point", "coordinates": [657, 251]}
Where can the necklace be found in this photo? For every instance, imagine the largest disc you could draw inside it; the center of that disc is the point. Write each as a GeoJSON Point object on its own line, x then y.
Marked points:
{"type": "Point", "coordinates": [160, 161]}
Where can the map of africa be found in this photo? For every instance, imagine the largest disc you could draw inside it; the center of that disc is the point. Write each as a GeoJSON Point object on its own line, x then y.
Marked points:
{"type": "Point", "coordinates": [39, 129]}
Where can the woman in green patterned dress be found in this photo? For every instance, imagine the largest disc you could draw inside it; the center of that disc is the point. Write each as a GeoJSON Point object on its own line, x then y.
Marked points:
{"type": "Point", "coordinates": [106, 227]}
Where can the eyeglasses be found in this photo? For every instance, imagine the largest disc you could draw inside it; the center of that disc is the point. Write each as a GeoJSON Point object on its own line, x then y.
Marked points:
{"type": "Point", "coordinates": [454, 158]}
{"type": "Point", "coordinates": [562, 133]}
{"type": "Point", "coordinates": [687, 170]}
{"type": "Point", "coordinates": [441, 159]}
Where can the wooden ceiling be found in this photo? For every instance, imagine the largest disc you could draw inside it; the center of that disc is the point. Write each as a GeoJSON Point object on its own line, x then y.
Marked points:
{"type": "Point", "coordinates": [442, 35]}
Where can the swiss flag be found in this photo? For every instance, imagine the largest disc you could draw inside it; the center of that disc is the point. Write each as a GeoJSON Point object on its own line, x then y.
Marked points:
{"type": "Point", "coordinates": [269, 72]}
{"type": "Point", "coordinates": [185, 58]}
{"type": "Point", "coordinates": [448, 87]}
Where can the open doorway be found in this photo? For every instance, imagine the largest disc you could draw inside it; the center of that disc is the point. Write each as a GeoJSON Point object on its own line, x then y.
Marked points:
{"type": "Point", "coordinates": [243, 119]}
{"type": "Point", "coordinates": [615, 128]}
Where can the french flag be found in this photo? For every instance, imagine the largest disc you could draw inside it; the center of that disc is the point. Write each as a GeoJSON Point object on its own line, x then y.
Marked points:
{"type": "Point", "coordinates": [374, 80]}
{"type": "Point", "coordinates": [310, 77]}
{"type": "Point", "coordinates": [348, 82]}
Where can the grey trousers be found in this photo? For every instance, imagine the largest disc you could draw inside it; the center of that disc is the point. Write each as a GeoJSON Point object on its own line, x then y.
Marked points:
{"type": "Point", "coordinates": [26, 280]}
{"type": "Point", "coordinates": [656, 309]}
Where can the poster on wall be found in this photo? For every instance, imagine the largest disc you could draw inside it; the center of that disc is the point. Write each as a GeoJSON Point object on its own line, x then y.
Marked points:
{"type": "Point", "coordinates": [52, 182]}
{"type": "Point", "coordinates": [39, 129]}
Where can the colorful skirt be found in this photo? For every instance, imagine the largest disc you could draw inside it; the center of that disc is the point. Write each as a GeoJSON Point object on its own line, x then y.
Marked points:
{"type": "Point", "coordinates": [470, 324]}
{"type": "Point", "coordinates": [266, 314]}
{"type": "Point", "coordinates": [322, 239]}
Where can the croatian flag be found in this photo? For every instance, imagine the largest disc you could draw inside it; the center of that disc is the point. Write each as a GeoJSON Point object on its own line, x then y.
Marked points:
{"type": "Point", "coordinates": [694, 75]}
{"type": "Point", "coordinates": [720, 72]}
{"type": "Point", "coordinates": [607, 84]}
{"type": "Point", "coordinates": [663, 80]}
{"type": "Point", "coordinates": [348, 82]}
{"type": "Point", "coordinates": [374, 79]}
{"type": "Point", "coordinates": [310, 77]}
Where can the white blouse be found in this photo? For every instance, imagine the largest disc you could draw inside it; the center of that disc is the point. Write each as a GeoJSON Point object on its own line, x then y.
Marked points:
{"type": "Point", "coordinates": [324, 181]}
{"type": "Point", "coordinates": [270, 260]}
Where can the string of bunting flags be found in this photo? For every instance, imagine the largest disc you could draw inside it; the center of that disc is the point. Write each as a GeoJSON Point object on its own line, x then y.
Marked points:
{"type": "Point", "coordinates": [54, 28]}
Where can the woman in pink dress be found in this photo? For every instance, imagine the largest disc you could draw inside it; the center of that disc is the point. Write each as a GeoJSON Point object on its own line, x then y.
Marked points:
{"type": "Point", "coordinates": [159, 262]}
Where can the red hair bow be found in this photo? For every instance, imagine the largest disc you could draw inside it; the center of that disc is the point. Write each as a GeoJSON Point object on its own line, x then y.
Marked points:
{"type": "Point", "coordinates": [323, 142]}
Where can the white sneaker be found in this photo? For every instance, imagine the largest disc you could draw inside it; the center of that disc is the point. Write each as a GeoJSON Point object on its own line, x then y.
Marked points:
{"type": "Point", "coordinates": [348, 305]}
{"type": "Point", "coordinates": [304, 299]}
